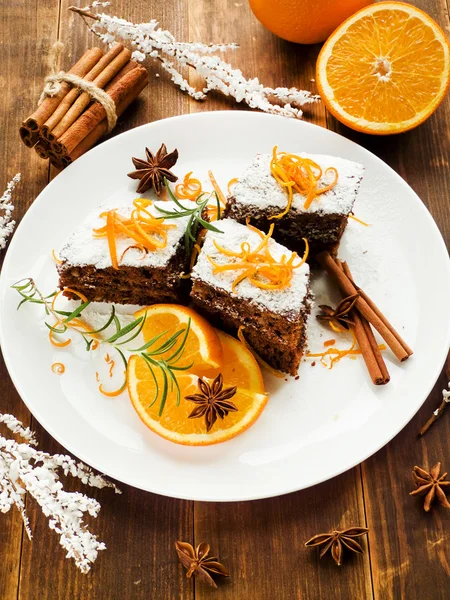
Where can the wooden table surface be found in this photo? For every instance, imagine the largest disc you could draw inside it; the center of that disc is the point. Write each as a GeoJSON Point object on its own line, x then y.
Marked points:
{"type": "Point", "coordinates": [261, 542]}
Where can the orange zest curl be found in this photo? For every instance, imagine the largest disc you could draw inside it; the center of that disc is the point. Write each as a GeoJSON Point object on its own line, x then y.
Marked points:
{"type": "Point", "coordinates": [359, 220]}
{"type": "Point", "coordinates": [114, 392]}
{"type": "Point", "coordinates": [190, 189]}
{"type": "Point", "coordinates": [217, 189]}
{"type": "Point", "coordinates": [55, 342]}
{"type": "Point", "coordinates": [336, 327]}
{"type": "Point", "coordinates": [259, 360]}
{"type": "Point", "coordinates": [295, 173]}
{"type": "Point", "coordinates": [149, 232]}
{"type": "Point", "coordinates": [142, 250]}
{"type": "Point", "coordinates": [67, 289]}
{"type": "Point", "coordinates": [58, 368]}
{"type": "Point", "coordinates": [109, 361]}
{"type": "Point", "coordinates": [258, 265]}
{"type": "Point", "coordinates": [79, 294]}
{"type": "Point", "coordinates": [56, 259]}
{"type": "Point", "coordinates": [335, 354]}
{"type": "Point", "coordinates": [212, 210]}
{"type": "Point", "coordinates": [231, 183]}
{"type": "Point", "coordinates": [195, 252]}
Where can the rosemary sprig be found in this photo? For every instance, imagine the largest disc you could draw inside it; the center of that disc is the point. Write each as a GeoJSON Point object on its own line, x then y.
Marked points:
{"type": "Point", "coordinates": [196, 220]}
{"type": "Point", "coordinates": [156, 352]}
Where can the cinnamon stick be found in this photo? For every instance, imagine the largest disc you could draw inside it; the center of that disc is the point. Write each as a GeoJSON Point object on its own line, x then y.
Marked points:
{"type": "Point", "coordinates": [379, 314]}
{"type": "Point", "coordinates": [29, 131]}
{"type": "Point", "coordinates": [42, 148]}
{"type": "Point", "coordinates": [367, 342]}
{"type": "Point", "coordinates": [57, 150]}
{"type": "Point", "coordinates": [121, 92]}
{"type": "Point", "coordinates": [74, 93]}
{"type": "Point", "coordinates": [383, 326]}
{"type": "Point", "coordinates": [85, 99]}
{"type": "Point", "coordinates": [102, 128]}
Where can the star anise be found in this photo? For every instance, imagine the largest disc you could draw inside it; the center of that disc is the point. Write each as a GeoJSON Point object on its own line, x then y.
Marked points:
{"type": "Point", "coordinates": [212, 401]}
{"type": "Point", "coordinates": [152, 171]}
{"type": "Point", "coordinates": [431, 485]}
{"type": "Point", "coordinates": [336, 540]}
{"type": "Point", "coordinates": [198, 563]}
{"type": "Point", "coordinates": [340, 314]}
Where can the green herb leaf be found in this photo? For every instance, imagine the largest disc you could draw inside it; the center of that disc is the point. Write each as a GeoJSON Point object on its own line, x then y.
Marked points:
{"type": "Point", "coordinates": [151, 351]}
{"type": "Point", "coordinates": [195, 216]}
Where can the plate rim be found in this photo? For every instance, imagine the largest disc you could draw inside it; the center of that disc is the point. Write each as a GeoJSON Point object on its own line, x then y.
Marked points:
{"type": "Point", "coordinates": [235, 114]}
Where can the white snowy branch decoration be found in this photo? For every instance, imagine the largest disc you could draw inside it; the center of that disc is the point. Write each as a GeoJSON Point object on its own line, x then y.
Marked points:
{"type": "Point", "coordinates": [153, 42]}
{"type": "Point", "coordinates": [6, 208]}
{"type": "Point", "coordinates": [24, 469]}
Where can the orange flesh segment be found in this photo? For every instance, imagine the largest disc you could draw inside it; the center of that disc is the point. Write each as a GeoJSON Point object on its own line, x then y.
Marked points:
{"type": "Point", "coordinates": [202, 347]}
{"type": "Point", "coordinates": [238, 366]}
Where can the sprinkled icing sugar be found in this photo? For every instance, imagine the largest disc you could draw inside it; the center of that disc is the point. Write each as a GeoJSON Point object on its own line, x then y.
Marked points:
{"type": "Point", "coordinates": [82, 248]}
{"type": "Point", "coordinates": [257, 187]}
{"type": "Point", "coordinates": [288, 301]}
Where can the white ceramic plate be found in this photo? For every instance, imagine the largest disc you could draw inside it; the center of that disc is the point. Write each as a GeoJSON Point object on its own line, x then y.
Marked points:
{"type": "Point", "coordinates": [313, 428]}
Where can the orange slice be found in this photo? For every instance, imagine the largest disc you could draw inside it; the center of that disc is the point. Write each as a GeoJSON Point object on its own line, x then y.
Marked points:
{"type": "Point", "coordinates": [384, 70]}
{"type": "Point", "coordinates": [239, 369]}
{"type": "Point", "coordinates": [238, 366]}
{"type": "Point", "coordinates": [202, 348]}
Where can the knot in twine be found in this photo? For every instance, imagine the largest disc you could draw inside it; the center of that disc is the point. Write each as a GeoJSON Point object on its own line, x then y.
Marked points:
{"type": "Point", "coordinates": [53, 86]}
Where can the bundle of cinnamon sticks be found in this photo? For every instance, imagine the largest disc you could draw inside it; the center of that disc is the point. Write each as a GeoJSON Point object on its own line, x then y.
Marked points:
{"type": "Point", "coordinates": [66, 125]}
{"type": "Point", "coordinates": [364, 315]}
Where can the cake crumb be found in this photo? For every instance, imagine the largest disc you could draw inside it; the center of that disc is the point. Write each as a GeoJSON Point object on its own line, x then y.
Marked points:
{"type": "Point", "coordinates": [297, 377]}
{"type": "Point", "coordinates": [313, 364]}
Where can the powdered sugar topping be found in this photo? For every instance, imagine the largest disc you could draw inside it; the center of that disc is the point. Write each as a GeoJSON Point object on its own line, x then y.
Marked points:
{"type": "Point", "coordinates": [287, 301]}
{"type": "Point", "coordinates": [83, 248]}
{"type": "Point", "coordinates": [258, 188]}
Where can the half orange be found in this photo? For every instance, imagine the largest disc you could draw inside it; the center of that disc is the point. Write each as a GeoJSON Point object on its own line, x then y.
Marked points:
{"type": "Point", "coordinates": [385, 69]}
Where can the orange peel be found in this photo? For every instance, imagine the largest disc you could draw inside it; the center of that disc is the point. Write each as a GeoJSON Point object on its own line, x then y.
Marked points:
{"type": "Point", "coordinates": [301, 174]}
{"type": "Point", "coordinates": [149, 232]}
{"type": "Point", "coordinates": [259, 263]}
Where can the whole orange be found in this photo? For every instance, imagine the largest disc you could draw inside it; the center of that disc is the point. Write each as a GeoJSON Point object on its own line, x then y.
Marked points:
{"type": "Point", "coordinates": [304, 21]}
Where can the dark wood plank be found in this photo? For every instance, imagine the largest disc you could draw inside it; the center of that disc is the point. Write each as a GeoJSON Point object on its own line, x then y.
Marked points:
{"type": "Point", "coordinates": [410, 553]}
{"type": "Point", "coordinates": [139, 528]}
{"type": "Point", "coordinates": [262, 543]}
{"type": "Point", "coordinates": [27, 29]}
{"type": "Point", "coordinates": [275, 62]}
{"type": "Point", "coordinates": [11, 523]}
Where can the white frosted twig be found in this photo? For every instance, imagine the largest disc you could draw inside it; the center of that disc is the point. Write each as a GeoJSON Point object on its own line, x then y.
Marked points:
{"type": "Point", "coordinates": [16, 426]}
{"type": "Point", "coordinates": [6, 208]}
{"type": "Point", "coordinates": [150, 41]}
{"type": "Point", "coordinates": [24, 469]}
{"type": "Point", "coordinates": [439, 410]}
